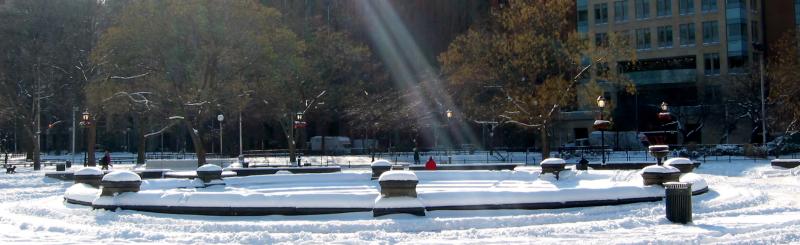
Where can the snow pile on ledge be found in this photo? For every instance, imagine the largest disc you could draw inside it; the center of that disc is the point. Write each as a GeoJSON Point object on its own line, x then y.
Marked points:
{"type": "Point", "coordinates": [678, 161]}
{"type": "Point", "coordinates": [601, 122]}
{"type": "Point", "coordinates": [122, 176]}
{"type": "Point", "coordinates": [653, 148]}
{"type": "Point", "coordinates": [209, 168]}
{"type": "Point", "coordinates": [397, 202]}
{"type": "Point", "coordinates": [398, 175]}
{"type": "Point", "coordinates": [381, 163]}
{"type": "Point", "coordinates": [660, 169]}
{"type": "Point", "coordinates": [553, 161]}
{"type": "Point", "coordinates": [89, 171]}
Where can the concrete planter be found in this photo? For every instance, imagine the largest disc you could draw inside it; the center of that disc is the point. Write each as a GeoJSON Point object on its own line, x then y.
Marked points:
{"type": "Point", "coordinates": [379, 167]}
{"type": "Point", "coordinates": [208, 176]}
{"type": "Point", "coordinates": [90, 176]}
{"type": "Point", "coordinates": [660, 178]}
{"type": "Point", "coordinates": [685, 165]}
{"type": "Point", "coordinates": [785, 163]}
{"type": "Point", "coordinates": [399, 188]}
{"type": "Point", "coordinates": [553, 166]}
{"type": "Point", "coordinates": [112, 187]}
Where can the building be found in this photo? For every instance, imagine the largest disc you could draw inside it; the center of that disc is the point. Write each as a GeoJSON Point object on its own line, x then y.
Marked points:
{"type": "Point", "coordinates": [688, 52]}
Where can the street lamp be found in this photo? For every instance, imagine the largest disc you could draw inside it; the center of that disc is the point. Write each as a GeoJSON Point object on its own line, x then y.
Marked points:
{"type": "Point", "coordinates": [220, 118]}
{"type": "Point", "coordinates": [602, 125]}
{"type": "Point", "coordinates": [298, 124]}
{"type": "Point", "coordinates": [86, 122]}
{"type": "Point", "coordinates": [449, 115]}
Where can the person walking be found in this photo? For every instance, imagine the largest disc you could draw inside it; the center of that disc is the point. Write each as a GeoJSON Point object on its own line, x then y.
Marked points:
{"type": "Point", "coordinates": [106, 160]}
{"type": "Point", "coordinates": [431, 164]}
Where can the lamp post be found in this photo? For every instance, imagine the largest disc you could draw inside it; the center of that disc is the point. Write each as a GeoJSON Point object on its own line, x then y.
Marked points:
{"type": "Point", "coordinates": [449, 115]}
{"type": "Point", "coordinates": [86, 122]}
{"type": "Point", "coordinates": [299, 123]}
{"type": "Point", "coordinates": [601, 103]}
{"type": "Point", "coordinates": [220, 118]}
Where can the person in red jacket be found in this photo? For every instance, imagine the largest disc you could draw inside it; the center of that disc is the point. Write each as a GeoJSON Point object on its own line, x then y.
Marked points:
{"type": "Point", "coordinates": [431, 164]}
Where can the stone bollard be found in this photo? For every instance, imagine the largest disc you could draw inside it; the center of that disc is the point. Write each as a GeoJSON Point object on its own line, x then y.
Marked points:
{"type": "Point", "coordinates": [678, 202]}
{"type": "Point", "coordinates": [379, 167]}
{"type": "Point", "coordinates": [398, 194]}
{"type": "Point", "coordinates": [90, 176]}
{"type": "Point", "coordinates": [658, 175]}
{"type": "Point", "coordinates": [119, 182]}
{"type": "Point", "coordinates": [685, 165]}
{"type": "Point", "coordinates": [553, 166]}
{"type": "Point", "coordinates": [209, 172]}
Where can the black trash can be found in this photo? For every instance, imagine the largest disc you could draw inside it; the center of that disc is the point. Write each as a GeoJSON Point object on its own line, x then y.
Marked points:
{"type": "Point", "coordinates": [61, 167]}
{"type": "Point", "coordinates": [679, 202]}
{"type": "Point", "coordinates": [69, 164]}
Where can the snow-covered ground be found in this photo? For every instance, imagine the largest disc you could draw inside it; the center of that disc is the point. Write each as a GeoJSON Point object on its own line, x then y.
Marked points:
{"type": "Point", "coordinates": [749, 203]}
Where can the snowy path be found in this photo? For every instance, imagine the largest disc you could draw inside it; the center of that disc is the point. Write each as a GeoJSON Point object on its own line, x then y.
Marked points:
{"type": "Point", "coordinates": [748, 204]}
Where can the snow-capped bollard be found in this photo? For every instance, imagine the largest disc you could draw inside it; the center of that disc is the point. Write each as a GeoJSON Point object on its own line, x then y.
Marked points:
{"type": "Point", "coordinates": [90, 176]}
{"type": "Point", "coordinates": [685, 165]}
{"type": "Point", "coordinates": [658, 175]}
{"type": "Point", "coordinates": [398, 194]}
{"type": "Point", "coordinates": [119, 182]}
{"type": "Point", "coordinates": [379, 167]}
{"type": "Point", "coordinates": [553, 166]}
{"type": "Point", "coordinates": [679, 202]}
{"type": "Point", "coordinates": [209, 172]}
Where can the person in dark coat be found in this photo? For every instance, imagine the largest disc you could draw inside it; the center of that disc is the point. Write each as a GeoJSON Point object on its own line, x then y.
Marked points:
{"type": "Point", "coordinates": [431, 164]}
{"type": "Point", "coordinates": [105, 161]}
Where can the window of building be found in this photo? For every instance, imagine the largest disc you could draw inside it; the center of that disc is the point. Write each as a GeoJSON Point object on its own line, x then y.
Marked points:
{"type": "Point", "coordinates": [709, 5]}
{"type": "Point", "coordinates": [735, 4]}
{"type": "Point", "coordinates": [601, 13]}
{"type": "Point", "coordinates": [687, 34]}
{"type": "Point", "coordinates": [710, 32]}
{"type": "Point", "coordinates": [711, 62]}
{"type": "Point", "coordinates": [664, 7]}
{"type": "Point", "coordinates": [754, 31]}
{"type": "Point", "coordinates": [643, 38]}
{"type": "Point", "coordinates": [665, 36]}
{"type": "Point", "coordinates": [737, 31]}
{"type": "Point", "coordinates": [621, 11]}
{"type": "Point", "coordinates": [601, 39]}
{"type": "Point", "coordinates": [686, 7]}
{"type": "Point", "coordinates": [797, 13]}
{"type": "Point", "coordinates": [737, 64]}
{"type": "Point", "coordinates": [642, 9]}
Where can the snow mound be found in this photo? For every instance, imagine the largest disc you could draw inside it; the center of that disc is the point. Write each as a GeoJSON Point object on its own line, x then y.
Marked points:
{"type": "Point", "coordinates": [398, 175]}
{"type": "Point", "coordinates": [660, 169]}
{"type": "Point", "coordinates": [601, 122]}
{"type": "Point", "coordinates": [89, 171]}
{"type": "Point", "coordinates": [678, 161]}
{"type": "Point", "coordinates": [209, 168]}
{"type": "Point", "coordinates": [553, 161]}
{"type": "Point", "coordinates": [122, 176]}
{"type": "Point", "coordinates": [381, 163]}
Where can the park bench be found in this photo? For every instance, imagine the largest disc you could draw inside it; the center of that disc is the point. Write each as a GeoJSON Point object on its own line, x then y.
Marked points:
{"type": "Point", "coordinates": [496, 167]}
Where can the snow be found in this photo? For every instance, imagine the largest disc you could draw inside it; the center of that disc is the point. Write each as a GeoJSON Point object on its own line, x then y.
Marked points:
{"type": "Point", "coordinates": [381, 163]}
{"type": "Point", "coordinates": [553, 161]}
{"type": "Point", "coordinates": [397, 202]}
{"type": "Point", "coordinates": [658, 148]}
{"type": "Point", "coordinates": [89, 171]}
{"type": "Point", "coordinates": [120, 176]}
{"type": "Point", "coordinates": [601, 122]}
{"type": "Point", "coordinates": [398, 175]}
{"type": "Point", "coordinates": [749, 202]}
{"type": "Point", "coordinates": [660, 169]}
{"type": "Point", "coordinates": [786, 160]}
{"type": "Point", "coordinates": [678, 161]}
{"type": "Point", "coordinates": [209, 168]}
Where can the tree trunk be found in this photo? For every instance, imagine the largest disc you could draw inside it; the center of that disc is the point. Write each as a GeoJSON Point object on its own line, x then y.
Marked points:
{"type": "Point", "coordinates": [199, 151]}
{"type": "Point", "coordinates": [140, 155]}
{"type": "Point", "coordinates": [545, 143]}
{"type": "Point", "coordinates": [33, 150]}
{"type": "Point", "coordinates": [91, 138]}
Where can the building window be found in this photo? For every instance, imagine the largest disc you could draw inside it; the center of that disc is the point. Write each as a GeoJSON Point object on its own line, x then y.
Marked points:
{"type": "Point", "coordinates": [737, 64]}
{"type": "Point", "coordinates": [687, 34]}
{"type": "Point", "coordinates": [735, 4]}
{"type": "Point", "coordinates": [754, 31]}
{"type": "Point", "coordinates": [601, 13]}
{"type": "Point", "coordinates": [664, 7]}
{"type": "Point", "coordinates": [711, 64]}
{"type": "Point", "coordinates": [709, 5]}
{"type": "Point", "coordinates": [710, 32]}
{"type": "Point", "coordinates": [621, 11]}
{"type": "Point", "coordinates": [797, 13]}
{"type": "Point", "coordinates": [601, 39]}
{"type": "Point", "coordinates": [643, 38]}
{"type": "Point", "coordinates": [665, 36]}
{"type": "Point", "coordinates": [642, 9]}
{"type": "Point", "coordinates": [686, 7]}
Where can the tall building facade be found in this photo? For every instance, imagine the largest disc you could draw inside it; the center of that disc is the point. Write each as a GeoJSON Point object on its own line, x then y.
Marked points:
{"type": "Point", "coordinates": [687, 53]}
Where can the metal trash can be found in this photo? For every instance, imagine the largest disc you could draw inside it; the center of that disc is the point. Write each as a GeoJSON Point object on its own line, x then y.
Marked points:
{"type": "Point", "coordinates": [69, 164]}
{"type": "Point", "coordinates": [679, 202]}
{"type": "Point", "coordinates": [61, 167]}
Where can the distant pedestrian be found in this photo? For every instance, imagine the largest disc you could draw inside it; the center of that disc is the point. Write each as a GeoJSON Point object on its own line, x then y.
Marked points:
{"type": "Point", "coordinates": [105, 161]}
{"type": "Point", "coordinates": [643, 139]}
{"type": "Point", "coordinates": [416, 156]}
{"type": "Point", "coordinates": [431, 164]}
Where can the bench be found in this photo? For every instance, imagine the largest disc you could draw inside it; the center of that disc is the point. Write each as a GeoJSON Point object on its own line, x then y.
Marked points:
{"type": "Point", "coordinates": [627, 165]}
{"type": "Point", "coordinates": [183, 164]}
{"type": "Point", "coordinates": [785, 163]}
{"type": "Point", "coordinates": [273, 170]}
